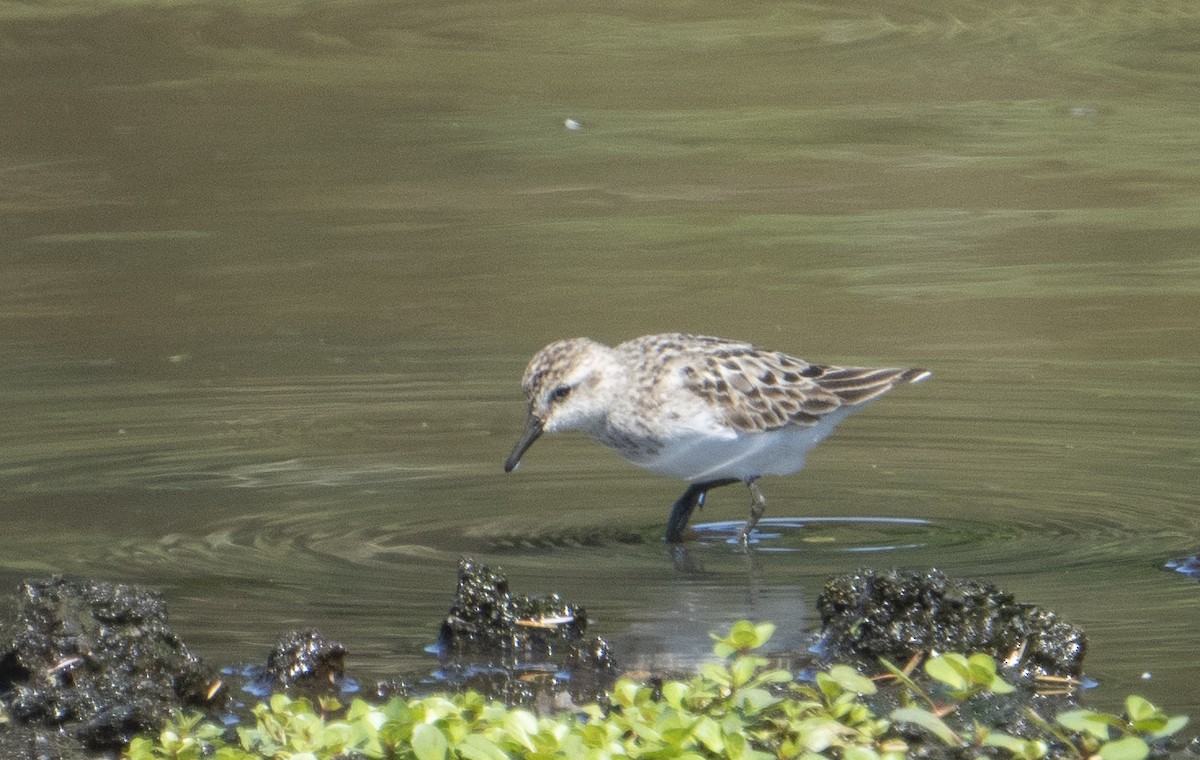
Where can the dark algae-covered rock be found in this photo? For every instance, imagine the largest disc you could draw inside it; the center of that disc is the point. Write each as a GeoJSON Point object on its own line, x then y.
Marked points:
{"type": "Point", "coordinates": [305, 664]}
{"type": "Point", "coordinates": [487, 619]}
{"type": "Point", "coordinates": [894, 614]}
{"type": "Point", "coordinates": [94, 661]}
{"type": "Point", "coordinates": [306, 659]}
{"type": "Point", "coordinates": [514, 647]}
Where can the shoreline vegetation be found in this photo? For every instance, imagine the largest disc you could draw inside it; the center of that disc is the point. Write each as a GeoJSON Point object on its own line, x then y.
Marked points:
{"type": "Point", "coordinates": [736, 708]}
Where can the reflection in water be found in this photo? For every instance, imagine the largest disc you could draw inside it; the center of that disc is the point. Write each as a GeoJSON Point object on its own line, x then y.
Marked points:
{"type": "Point", "coordinates": [677, 636]}
{"type": "Point", "coordinates": [271, 275]}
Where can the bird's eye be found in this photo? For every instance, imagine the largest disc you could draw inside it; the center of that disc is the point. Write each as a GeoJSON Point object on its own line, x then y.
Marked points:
{"type": "Point", "coordinates": [561, 392]}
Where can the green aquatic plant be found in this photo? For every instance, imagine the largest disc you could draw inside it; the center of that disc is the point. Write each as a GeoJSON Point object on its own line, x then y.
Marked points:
{"type": "Point", "coordinates": [738, 707]}
{"type": "Point", "coordinates": [1118, 737]}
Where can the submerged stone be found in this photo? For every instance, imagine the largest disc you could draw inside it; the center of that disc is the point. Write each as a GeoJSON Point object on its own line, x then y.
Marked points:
{"type": "Point", "coordinates": [95, 661]}
{"type": "Point", "coordinates": [893, 614]}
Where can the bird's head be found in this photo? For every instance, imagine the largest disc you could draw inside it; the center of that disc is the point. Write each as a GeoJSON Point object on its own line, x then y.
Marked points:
{"type": "Point", "coordinates": [568, 386]}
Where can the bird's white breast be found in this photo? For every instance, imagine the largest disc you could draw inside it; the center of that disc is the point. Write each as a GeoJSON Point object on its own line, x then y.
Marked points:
{"type": "Point", "coordinates": [698, 455]}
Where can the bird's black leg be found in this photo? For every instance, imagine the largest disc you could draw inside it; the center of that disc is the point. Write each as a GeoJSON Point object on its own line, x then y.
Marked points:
{"type": "Point", "coordinates": [682, 511]}
{"type": "Point", "coordinates": [758, 504]}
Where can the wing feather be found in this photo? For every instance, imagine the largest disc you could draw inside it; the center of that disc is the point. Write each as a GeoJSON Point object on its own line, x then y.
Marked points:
{"type": "Point", "coordinates": [756, 390]}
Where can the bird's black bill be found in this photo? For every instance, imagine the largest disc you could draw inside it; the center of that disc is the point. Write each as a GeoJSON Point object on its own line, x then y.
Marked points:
{"type": "Point", "coordinates": [533, 429]}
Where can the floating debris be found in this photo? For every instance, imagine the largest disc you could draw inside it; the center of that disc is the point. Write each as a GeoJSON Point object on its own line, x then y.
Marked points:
{"type": "Point", "coordinates": [1189, 566]}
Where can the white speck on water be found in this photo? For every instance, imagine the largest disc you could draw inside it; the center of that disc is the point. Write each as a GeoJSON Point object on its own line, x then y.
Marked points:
{"type": "Point", "coordinates": [572, 125]}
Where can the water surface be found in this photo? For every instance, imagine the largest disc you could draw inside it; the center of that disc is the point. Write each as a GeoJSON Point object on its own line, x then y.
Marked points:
{"type": "Point", "coordinates": [272, 275]}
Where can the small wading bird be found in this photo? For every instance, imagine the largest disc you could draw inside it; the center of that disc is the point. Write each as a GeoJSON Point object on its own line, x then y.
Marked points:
{"type": "Point", "coordinates": [706, 410]}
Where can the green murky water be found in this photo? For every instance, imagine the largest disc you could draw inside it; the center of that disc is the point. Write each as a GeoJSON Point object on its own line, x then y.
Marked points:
{"type": "Point", "coordinates": [272, 272]}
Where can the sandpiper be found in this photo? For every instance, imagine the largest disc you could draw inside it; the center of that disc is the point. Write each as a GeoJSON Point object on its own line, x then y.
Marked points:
{"type": "Point", "coordinates": [706, 410]}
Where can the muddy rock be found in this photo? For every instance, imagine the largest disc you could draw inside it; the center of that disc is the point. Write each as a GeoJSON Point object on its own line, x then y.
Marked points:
{"type": "Point", "coordinates": [893, 614]}
{"type": "Point", "coordinates": [93, 661]}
